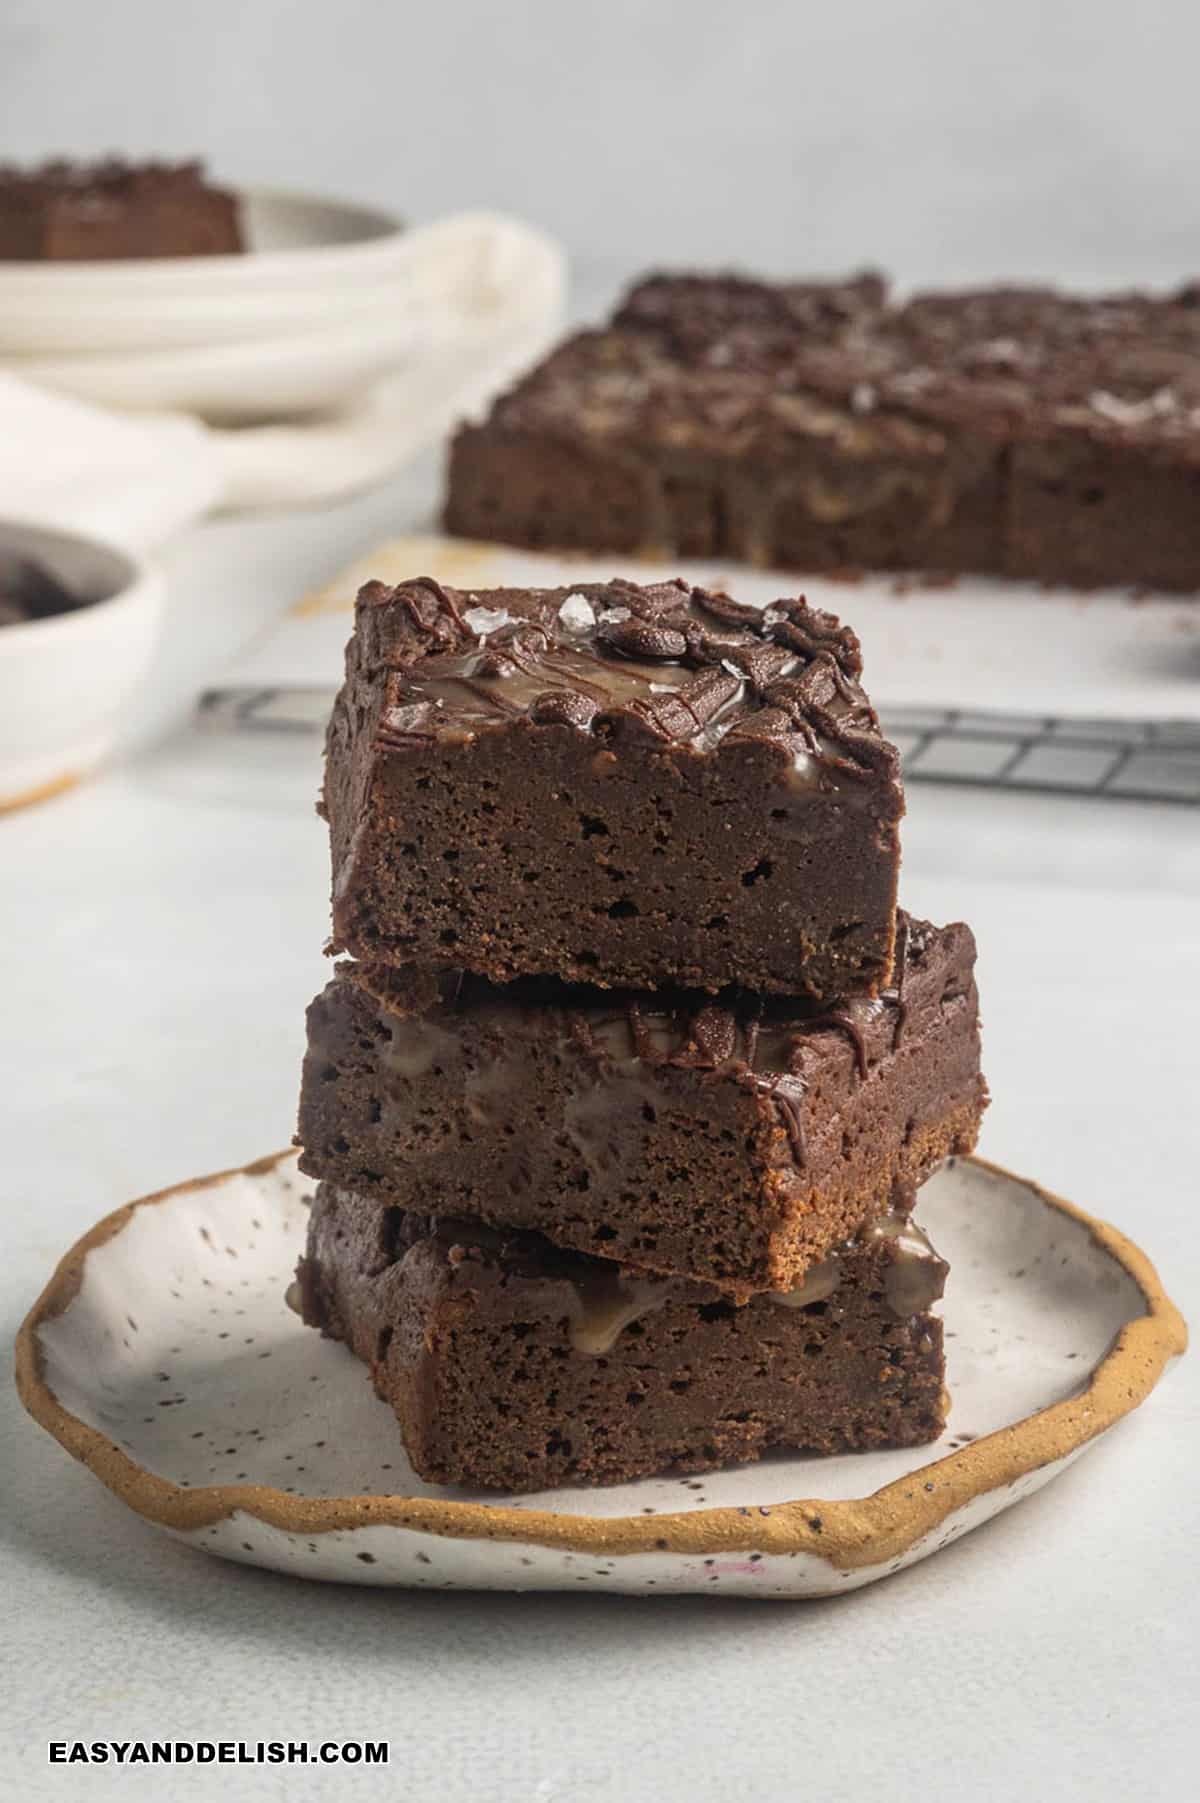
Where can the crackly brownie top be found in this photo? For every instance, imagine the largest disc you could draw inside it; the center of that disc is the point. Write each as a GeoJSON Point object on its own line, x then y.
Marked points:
{"type": "Point", "coordinates": [732, 366]}
{"type": "Point", "coordinates": [747, 390]}
{"type": "Point", "coordinates": [698, 312]}
{"type": "Point", "coordinates": [1026, 361]}
{"type": "Point", "coordinates": [669, 663]}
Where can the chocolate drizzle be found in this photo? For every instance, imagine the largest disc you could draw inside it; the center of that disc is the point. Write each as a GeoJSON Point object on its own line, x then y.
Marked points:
{"type": "Point", "coordinates": [841, 1022]}
{"type": "Point", "coordinates": [728, 1034]}
{"type": "Point", "coordinates": [680, 665]}
{"type": "Point", "coordinates": [788, 1104]}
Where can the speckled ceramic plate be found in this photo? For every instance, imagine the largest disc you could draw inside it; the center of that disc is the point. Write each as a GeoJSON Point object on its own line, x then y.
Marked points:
{"type": "Point", "coordinates": [163, 1355]}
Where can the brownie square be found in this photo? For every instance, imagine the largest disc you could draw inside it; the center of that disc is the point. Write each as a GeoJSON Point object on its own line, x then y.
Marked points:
{"type": "Point", "coordinates": [612, 784]}
{"type": "Point", "coordinates": [72, 212]}
{"type": "Point", "coordinates": [512, 1365]}
{"type": "Point", "coordinates": [723, 1140]}
{"type": "Point", "coordinates": [1091, 514]}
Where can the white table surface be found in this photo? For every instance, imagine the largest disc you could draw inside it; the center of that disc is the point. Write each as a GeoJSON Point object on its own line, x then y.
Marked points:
{"type": "Point", "coordinates": [162, 931]}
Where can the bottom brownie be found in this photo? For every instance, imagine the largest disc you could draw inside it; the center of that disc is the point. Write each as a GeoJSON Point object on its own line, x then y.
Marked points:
{"type": "Point", "coordinates": [514, 1365]}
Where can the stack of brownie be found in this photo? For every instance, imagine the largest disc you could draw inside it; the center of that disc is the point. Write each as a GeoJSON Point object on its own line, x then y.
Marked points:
{"type": "Point", "coordinates": [1015, 431]}
{"type": "Point", "coordinates": [621, 1100]}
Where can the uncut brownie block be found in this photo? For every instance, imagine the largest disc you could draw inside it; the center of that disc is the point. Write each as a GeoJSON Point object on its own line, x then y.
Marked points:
{"type": "Point", "coordinates": [720, 1140]}
{"type": "Point", "coordinates": [70, 212]}
{"type": "Point", "coordinates": [611, 784]}
{"type": "Point", "coordinates": [1014, 431]}
{"type": "Point", "coordinates": [513, 1365]}
{"type": "Point", "coordinates": [693, 425]}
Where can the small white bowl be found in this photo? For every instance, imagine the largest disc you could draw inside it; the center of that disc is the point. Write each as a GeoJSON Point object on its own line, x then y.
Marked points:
{"type": "Point", "coordinates": [64, 680]}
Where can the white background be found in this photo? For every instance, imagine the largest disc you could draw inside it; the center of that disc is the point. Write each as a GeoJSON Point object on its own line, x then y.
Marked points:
{"type": "Point", "coordinates": [161, 929]}
{"type": "Point", "coordinates": [943, 139]}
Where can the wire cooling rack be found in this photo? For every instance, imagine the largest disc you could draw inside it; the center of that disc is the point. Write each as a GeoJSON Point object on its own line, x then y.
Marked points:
{"type": "Point", "coordinates": [1136, 760]}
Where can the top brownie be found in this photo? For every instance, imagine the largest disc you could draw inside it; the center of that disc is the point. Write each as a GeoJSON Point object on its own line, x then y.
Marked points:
{"type": "Point", "coordinates": [620, 785]}
{"type": "Point", "coordinates": [74, 212]}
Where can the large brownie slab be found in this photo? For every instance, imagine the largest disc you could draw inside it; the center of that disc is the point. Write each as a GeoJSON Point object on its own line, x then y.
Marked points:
{"type": "Point", "coordinates": [512, 1365]}
{"type": "Point", "coordinates": [72, 212]}
{"type": "Point", "coordinates": [612, 784]}
{"type": "Point", "coordinates": [728, 1141]}
{"type": "Point", "coordinates": [1018, 432]}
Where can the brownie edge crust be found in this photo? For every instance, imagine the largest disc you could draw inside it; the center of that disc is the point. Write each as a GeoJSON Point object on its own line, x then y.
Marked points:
{"type": "Point", "coordinates": [511, 1365]}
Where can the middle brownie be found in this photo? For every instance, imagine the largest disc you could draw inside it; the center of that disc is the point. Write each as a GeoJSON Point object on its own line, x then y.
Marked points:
{"type": "Point", "coordinates": [729, 1140]}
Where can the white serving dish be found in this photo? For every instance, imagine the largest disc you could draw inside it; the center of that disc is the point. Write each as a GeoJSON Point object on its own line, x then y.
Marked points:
{"type": "Point", "coordinates": [281, 331]}
{"type": "Point", "coordinates": [162, 1354]}
{"type": "Point", "coordinates": [65, 680]}
{"type": "Point", "coordinates": [302, 250]}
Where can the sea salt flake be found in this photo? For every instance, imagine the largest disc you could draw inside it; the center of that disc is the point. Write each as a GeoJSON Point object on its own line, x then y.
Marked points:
{"type": "Point", "coordinates": [577, 613]}
{"type": "Point", "coordinates": [863, 397]}
{"type": "Point", "coordinates": [1132, 413]}
{"type": "Point", "coordinates": [483, 620]}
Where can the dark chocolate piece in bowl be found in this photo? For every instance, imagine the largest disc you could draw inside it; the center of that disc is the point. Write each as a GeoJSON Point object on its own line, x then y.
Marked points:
{"type": "Point", "coordinates": [30, 591]}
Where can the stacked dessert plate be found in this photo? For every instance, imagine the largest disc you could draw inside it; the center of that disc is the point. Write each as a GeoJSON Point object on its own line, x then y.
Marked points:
{"type": "Point", "coordinates": [164, 1356]}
